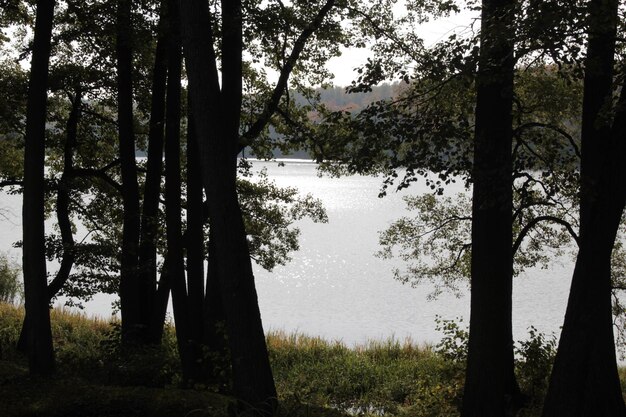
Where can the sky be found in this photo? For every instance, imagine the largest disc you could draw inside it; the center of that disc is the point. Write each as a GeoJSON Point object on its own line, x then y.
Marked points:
{"type": "Point", "coordinates": [343, 67]}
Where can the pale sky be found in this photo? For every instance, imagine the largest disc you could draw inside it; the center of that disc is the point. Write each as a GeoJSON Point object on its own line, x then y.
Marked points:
{"type": "Point", "coordinates": [343, 66]}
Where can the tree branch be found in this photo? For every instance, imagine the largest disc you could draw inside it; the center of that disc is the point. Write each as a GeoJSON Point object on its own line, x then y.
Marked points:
{"type": "Point", "coordinates": [531, 125]}
{"type": "Point", "coordinates": [97, 173]}
{"type": "Point", "coordinates": [99, 116]}
{"type": "Point", "coordinates": [530, 225]}
{"type": "Point", "coordinates": [281, 85]}
{"type": "Point", "coordinates": [11, 182]}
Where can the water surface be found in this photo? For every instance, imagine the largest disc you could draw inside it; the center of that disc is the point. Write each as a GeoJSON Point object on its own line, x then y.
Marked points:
{"type": "Point", "coordinates": [336, 288]}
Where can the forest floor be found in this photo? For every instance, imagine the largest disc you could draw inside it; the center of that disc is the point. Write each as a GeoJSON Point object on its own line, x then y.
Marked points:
{"type": "Point", "coordinates": [314, 377]}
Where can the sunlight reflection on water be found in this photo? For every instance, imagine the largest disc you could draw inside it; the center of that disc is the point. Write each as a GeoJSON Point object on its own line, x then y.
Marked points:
{"type": "Point", "coordinates": [336, 288]}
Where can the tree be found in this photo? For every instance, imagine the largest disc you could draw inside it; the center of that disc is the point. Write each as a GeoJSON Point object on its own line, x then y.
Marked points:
{"type": "Point", "coordinates": [584, 380]}
{"type": "Point", "coordinates": [155, 299]}
{"type": "Point", "coordinates": [130, 290]}
{"type": "Point", "coordinates": [490, 385]}
{"type": "Point", "coordinates": [216, 111]}
{"type": "Point", "coordinates": [39, 334]}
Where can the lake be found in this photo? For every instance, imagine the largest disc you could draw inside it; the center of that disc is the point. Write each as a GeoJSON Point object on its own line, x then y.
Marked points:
{"type": "Point", "coordinates": [336, 288]}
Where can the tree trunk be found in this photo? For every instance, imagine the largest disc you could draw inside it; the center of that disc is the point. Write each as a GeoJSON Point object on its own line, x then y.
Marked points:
{"type": "Point", "coordinates": [195, 251]}
{"type": "Point", "coordinates": [152, 191]}
{"type": "Point", "coordinates": [217, 131]}
{"type": "Point", "coordinates": [491, 389]}
{"type": "Point", "coordinates": [584, 380]}
{"type": "Point", "coordinates": [63, 198]}
{"type": "Point", "coordinates": [130, 295]}
{"type": "Point", "coordinates": [39, 335]}
{"type": "Point", "coordinates": [214, 331]}
{"type": "Point", "coordinates": [63, 213]}
{"type": "Point", "coordinates": [176, 268]}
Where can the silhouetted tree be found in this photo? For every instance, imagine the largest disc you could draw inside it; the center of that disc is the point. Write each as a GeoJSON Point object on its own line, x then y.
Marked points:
{"type": "Point", "coordinates": [490, 386]}
{"type": "Point", "coordinates": [38, 334]}
{"type": "Point", "coordinates": [584, 379]}
{"type": "Point", "coordinates": [216, 113]}
{"type": "Point", "coordinates": [131, 300]}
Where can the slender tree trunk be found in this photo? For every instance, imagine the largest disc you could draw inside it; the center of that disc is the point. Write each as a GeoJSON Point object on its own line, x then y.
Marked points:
{"type": "Point", "coordinates": [584, 380]}
{"type": "Point", "coordinates": [63, 198]}
{"type": "Point", "coordinates": [39, 335]}
{"type": "Point", "coordinates": [195, 251]}
{"type": "Point", "coordinates": [152, 191]}
{"type": "Point", "coordinates": [490, 386]}
{"type": "Point", "coordinates": [162, 299]}
{"type": "Point", "coordinates": [63, 213]}
{"type": "Point", "coordinates": [218, 142]}
{"type": "Point", "coordinates": [130, 294]}
{"type": "Point", "coordinates": [215, 334]}
{"type": "Point", "coordinates": [195, 238]}
{"type": "Point", "coordinates": [176, 267]}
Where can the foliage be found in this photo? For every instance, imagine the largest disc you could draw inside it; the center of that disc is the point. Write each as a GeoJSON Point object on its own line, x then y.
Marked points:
{"type": "Point", "coordinates": [618, 279]}
{"type": "Point", "coordinates": [11, 318]}
{"type": "Point", "coordinates": [535, 357]}
{"type": "Point", "coordinates": [11, 289]}
{"type": "Point", "coordinates": [453, 345]}
{"type": "Point", "coordinates": [435, 244]}
{"type": "Point", "coordinates": [269, 213]}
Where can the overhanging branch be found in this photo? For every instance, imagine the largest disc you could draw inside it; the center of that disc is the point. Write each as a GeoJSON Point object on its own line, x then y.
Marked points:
{"type": "Point", "coordinates": [534, 222]}
{"type": "Point", "coordinates": [271, 106]}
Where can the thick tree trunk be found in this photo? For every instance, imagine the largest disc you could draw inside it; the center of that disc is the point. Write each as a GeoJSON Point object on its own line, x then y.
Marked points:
{"type": "Point", "coordinates": [490, 387]}
{"type": "Point", "coordinates": [39, 335]}
{"type": "Point", "coordinates": [584, 379]}
{"type": "Point", "coordinates": [216, 116]}
{"type": "Point", "coordinates": [130, 294]}
{"type": "Point", "coordinates": [152, 191]}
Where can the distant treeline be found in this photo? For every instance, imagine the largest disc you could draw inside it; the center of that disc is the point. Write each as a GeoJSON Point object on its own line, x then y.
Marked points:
{"type": "Point", "coordinates": [338, 98]}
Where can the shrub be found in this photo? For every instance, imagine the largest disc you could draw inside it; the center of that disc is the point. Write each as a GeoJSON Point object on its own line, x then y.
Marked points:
{"type": "Point", "coordinates": [533, 365]}
{"type": "Point", "coordinates": [10, 282]}
{"type": "Point", "coordinates": [149, 365]}
{"type": "Point", "coordinates": [453, 344]}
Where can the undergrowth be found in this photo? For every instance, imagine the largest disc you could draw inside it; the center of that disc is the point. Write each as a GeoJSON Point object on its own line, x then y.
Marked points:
{"type": "Point", "coordinates": [392, 377]}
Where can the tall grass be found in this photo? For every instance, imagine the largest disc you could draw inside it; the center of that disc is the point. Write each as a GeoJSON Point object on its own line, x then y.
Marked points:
{"type": "Point", "coordinates": [76, 337]}
{"type": "Point", "coordinates": [392, 377]}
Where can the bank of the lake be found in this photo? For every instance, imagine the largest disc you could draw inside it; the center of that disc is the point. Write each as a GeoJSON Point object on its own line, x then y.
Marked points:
{"type": "Point", "coordinates": [314, 377]}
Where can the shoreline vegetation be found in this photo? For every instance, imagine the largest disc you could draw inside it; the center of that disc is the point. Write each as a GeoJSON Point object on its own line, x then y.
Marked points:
{"type": "Point", "coordinates": [314, 377]}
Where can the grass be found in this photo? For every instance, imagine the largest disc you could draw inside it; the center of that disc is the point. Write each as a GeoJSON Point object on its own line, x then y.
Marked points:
{"type": "Point", "coordinates": [391, 376]}
{"type": "Point", "coordinates": [314, 377]}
